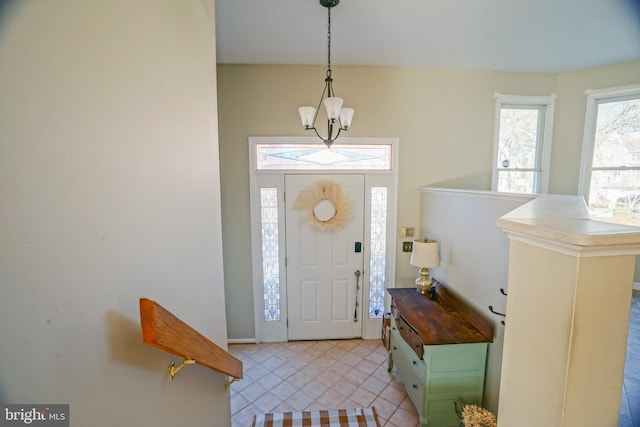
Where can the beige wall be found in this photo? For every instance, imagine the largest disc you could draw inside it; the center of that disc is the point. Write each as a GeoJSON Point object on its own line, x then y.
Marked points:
{"type": "Point", "coordinates": [570, 109]}
{"type": "Point", "coordinates": [109, 191]}
{"type": "Point", "coordinates": [443, 117]}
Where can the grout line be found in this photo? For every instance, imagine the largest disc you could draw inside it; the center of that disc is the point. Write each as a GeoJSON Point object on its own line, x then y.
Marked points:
{"type": "Point", "coordinates": [337, 350]}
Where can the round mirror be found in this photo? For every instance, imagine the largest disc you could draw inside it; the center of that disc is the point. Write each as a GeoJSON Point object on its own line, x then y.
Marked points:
{"type": "Point", "coordinates": [324, 210]}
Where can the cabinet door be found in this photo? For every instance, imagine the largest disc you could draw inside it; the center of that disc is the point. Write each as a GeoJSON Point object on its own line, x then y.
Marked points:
{"type": "Point", "coordinates": [454, 372]}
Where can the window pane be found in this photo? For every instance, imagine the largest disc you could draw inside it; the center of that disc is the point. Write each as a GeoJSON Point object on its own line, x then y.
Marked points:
{"type": "Point", "coordinates": [516, 181]}
{"type": "Point", "coordinates": [614, 196]}
{"type": "Point", "coordinates": [614, 191]}
{"type": "Point", "coordinates": [518, 137]}
{"type": "Point", "coordinates": [318, 157]}
{"type": "Point", "coordinates": [617, 140]}
{"type": "Point", "coordinates": [377, 264]}
{"type": "Point", "coordinates": [270, 258]}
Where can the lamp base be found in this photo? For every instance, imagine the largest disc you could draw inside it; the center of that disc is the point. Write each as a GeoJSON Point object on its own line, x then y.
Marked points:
{"type": "Point", "coordinates": [423, 282]}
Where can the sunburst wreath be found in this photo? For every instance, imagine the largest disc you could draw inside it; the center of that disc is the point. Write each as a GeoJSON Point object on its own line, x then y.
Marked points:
{"type": "Point", "coordinates": [327, 205]}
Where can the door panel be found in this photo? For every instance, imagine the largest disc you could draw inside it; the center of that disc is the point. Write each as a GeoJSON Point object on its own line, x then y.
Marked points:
{"type": "Point", "coordinates": [323, 299]}
{"type": "Point", "coordinates": [309, 301]}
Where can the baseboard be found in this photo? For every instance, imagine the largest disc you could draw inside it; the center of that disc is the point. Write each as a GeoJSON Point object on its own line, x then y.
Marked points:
{"type": "Point", "coordinates": [241, 341]}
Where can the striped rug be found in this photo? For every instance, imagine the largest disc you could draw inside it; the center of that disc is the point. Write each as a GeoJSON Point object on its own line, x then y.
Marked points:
{"type": "Point", "coordinates": [358, 417]}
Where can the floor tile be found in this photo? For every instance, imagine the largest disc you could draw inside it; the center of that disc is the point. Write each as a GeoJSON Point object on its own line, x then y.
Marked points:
{"type": "Point", "coordinates": [384, 407]}
{"type": "Point", "coordinates": [244, 417]}
{"type": "Point", "coordinates": [374, 385]}
{"type": "Point", "coordinates": [267, 402]}
{"type": "Point", "coordinates": [307, 375]}
{"type": "Point", "coordinates": [404, 418]}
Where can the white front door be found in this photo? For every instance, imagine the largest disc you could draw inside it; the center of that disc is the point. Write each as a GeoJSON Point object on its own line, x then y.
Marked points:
{"type": "Point", "coordinates": [324, 263]}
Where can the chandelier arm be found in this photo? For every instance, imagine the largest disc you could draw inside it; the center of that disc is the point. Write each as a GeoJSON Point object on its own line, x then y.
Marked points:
{"type": "Point", "coordinates": [318, 134]}
{"type": "Point", "coordinates": [315, 116]}
{"type": "Point", "coordinates": [338, 134]}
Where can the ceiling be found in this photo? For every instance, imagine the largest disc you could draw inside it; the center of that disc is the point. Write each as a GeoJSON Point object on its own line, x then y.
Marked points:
{"type": "Point", "coordinates": [547, 36]}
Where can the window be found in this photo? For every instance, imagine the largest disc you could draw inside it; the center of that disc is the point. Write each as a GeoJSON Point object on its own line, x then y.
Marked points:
{"type": "Point", "coordinates": [270, 253]}
{"type": "Point", "coordinates": [377, 261]}
{"type": "Point", "coordinates": [281, 156]}
{"type": "Point", "coordinates": [524, 126]}
{"type": "Point", "coordinates": [610, 174]}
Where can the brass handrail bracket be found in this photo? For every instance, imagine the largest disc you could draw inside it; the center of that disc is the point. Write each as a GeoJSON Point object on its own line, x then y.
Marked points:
{"type": "Point", "coordinates": [230, 381]}
{"type": "Point", "coordinates": [173, 369]}
{"type": "Point", "coordinates": [165, 331]}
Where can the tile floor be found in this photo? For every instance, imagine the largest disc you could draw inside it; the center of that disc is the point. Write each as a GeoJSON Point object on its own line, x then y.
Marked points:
{"type": "Point", "coordinates": [308, 375]}
{"type": "Point", "coordinates": [335, 374]}
{"type": "Point", "coordinates": [630, 402]}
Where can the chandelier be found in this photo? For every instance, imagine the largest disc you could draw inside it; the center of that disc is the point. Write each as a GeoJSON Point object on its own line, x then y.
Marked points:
{"type": "Point", "coordinates": [336, 114]}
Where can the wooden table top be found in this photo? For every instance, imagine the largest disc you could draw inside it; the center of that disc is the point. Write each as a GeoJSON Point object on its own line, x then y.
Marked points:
{"type": "Point", "coordinates": [445, 320]}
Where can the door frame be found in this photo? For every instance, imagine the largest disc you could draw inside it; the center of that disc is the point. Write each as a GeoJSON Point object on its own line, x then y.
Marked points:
{"type": "Point", "coordinates": [276, 330]}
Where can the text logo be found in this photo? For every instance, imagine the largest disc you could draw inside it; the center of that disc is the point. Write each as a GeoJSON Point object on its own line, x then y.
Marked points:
{"type": "Point", "coordinates": [34, 415]}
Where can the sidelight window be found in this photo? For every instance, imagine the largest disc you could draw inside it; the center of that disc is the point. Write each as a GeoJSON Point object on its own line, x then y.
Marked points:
{"type": "Point", "coordinates": [377, 261]}
{"type": "Point", "coordinates": [270, 253]}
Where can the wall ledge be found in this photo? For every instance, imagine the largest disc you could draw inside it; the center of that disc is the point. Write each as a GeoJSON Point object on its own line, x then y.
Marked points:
{"type": "Point", "coordinates": [481, 193]}
{"type": "Point", "coordinates": [561, 223]}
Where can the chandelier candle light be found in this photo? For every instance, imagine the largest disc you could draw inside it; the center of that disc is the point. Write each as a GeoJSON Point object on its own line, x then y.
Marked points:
{"type": "Point", "coordinates": [424, 255]}
{"type": "Point", "coordinates": [332, 103]}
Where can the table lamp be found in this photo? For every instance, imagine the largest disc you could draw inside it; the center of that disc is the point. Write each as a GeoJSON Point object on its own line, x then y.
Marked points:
{"type": "Point", "coordinates": [424, 255]}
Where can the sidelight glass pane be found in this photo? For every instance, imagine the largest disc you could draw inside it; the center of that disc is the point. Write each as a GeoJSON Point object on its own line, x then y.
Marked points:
{"type": "Point", "coordinates": [377, 264]}
{"type": "Point", "coordinates": [270, 253]}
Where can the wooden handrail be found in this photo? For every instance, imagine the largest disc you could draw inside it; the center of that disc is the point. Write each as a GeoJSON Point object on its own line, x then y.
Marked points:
{"type": "Point", "coordinates": [165, 331]}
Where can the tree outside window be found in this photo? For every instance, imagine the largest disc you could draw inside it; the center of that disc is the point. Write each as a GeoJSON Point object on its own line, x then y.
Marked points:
{"type": "Point", "coordinates": [612, 154]}
{"type": "Point", "coordinates": [523, 143]}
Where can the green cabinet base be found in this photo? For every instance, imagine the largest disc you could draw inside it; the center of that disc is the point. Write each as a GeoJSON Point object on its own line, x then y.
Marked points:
{"type": "Point", "coordinates": [446, 373]}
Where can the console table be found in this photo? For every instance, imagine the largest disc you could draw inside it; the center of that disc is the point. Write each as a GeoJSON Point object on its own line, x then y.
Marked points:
{"type": "Point", "coordinates": [439, 348]}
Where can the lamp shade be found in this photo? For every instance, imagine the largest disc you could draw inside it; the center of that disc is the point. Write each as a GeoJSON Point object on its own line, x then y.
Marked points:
{"type": "Point", "coordinates": [333, 105]}
{"type": "Point", "coordinates": [425, 254]}
{"type": "Point", "coordinates": [346, 115]}
{"type": "Point", "coordinates": [306, 116]}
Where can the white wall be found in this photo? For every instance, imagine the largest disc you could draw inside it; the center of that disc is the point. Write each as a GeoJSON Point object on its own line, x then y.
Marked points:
{"type": "Point", "coordinates": [109, 191]}
{"type": "Point", "coordinates": [474, 258]}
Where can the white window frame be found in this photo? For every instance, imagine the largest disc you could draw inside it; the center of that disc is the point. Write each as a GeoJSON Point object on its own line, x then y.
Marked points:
{"type": "Point", "coordinates": [543, 158]}
{"type": "Point", "coordinates": [594, 97]}
{"type": "Point", "coordinates": [276, 331]}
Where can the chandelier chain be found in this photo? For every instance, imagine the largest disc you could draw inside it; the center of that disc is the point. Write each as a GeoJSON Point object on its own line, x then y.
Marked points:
{"type": "Point", "coordinates": [329, 41]}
